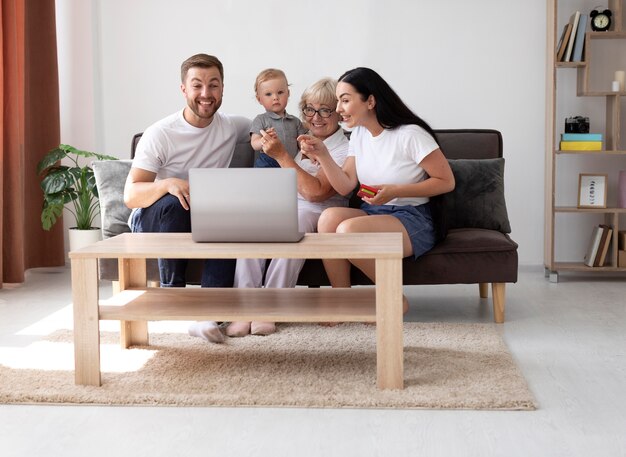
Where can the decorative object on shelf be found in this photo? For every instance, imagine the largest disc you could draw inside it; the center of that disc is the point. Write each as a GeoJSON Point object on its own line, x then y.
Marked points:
{"type": "Point", "coordinates": [600, 20]}
{"type": "Point", "coordinates": [598, 246]}
{"type": "Point", "coordinates": [581, 142]}
{"type": "Point", "coordinates": [574, 19]}
{"type": "Point", "coordinates": [562, 46]}
{"type": "Point", "coordinates": [62, 184]}
{"type": "Point", "coordinates": [592, 190]}
{"type": "Point", "coordinates": [581, 137]}
{"type": "Point", "coordinates": [621, 188]}
{"type": "Point", "coordinates": [594, 245]}
{"type": "Point", "coordinates": [581, 145]}
{"type": "Point", "coordinates": [577, 124]}
{"type": "Point", "coordinates": [620, 76]}
{"type": "Point", "coordinates": [615, 86]}
{"type": "Point", "coordinates": [621, 246]}
{"type": "Point", "coordinates": [579, 39]}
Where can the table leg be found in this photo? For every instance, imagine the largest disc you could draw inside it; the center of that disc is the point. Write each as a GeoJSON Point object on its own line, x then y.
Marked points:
{"type": "Point", "coordinates": [132, 273]}
{"type": "Point", "coordinates": [389, 340]}
{"type": "Point", "coordinates": [86, 322]}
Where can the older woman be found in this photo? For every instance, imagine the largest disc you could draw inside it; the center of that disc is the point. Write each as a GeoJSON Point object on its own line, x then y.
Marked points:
{"type": "Point", "coordinates": [315, 194]}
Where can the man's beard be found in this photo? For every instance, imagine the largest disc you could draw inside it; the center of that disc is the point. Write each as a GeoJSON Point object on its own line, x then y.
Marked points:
{"type": "Point", "coordinates": [203, 112]}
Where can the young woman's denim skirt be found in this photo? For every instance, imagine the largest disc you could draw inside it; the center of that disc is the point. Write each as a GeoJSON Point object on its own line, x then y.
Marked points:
{"type": "Point", "coordinates": [417, 221]}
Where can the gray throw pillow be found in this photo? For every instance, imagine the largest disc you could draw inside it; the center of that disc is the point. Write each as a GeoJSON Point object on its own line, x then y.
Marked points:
{"type": "Point", "coordinates": [477, 201]}
{"type": "Point", "coordinates": [110, 179]}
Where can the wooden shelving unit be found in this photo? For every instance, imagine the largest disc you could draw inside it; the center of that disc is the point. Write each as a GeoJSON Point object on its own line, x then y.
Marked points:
{"type": "Point", "coordinates": [614, 136]}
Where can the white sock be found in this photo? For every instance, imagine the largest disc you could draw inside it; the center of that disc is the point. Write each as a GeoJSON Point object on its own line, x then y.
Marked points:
{"type": "Point", "coordinates": [207, 330]}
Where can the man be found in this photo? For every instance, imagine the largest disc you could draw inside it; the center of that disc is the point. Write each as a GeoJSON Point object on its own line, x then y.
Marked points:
{"type": "Point", "coordinates": [157, 187]}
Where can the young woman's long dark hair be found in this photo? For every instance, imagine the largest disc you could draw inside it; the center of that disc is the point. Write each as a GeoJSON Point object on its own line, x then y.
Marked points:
{"type": "Point", "coordinates": [391, 111]}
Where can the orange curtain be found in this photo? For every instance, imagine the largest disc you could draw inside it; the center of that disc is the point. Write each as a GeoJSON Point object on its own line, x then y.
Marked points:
{"type": "Point", "coordinates": [29, 128]}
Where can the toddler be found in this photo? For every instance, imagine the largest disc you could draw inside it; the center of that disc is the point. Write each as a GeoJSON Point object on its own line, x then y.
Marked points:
{"type": "Point", "coordinates": [272, 91]}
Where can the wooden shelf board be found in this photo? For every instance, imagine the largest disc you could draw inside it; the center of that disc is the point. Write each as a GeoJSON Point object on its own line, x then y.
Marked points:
{"type": "Point", "coordinates": [601, 152]}
{"type": "Point", "coordinates": [575, 209]}
{"type": "Point", "coordinates": [607, 35]}
{"type": "Point", "coordinates": [571, 64]}
{"type": "Point", "coordinates": [581, 267]}
{"type": "Point", "coordinates": [356, 304]}
{"type": "Point", "coordinates": [599, 93]}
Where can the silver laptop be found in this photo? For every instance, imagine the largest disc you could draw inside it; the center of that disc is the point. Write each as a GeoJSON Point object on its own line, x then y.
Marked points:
{"type": "Point", "coordinates": [244, 205]}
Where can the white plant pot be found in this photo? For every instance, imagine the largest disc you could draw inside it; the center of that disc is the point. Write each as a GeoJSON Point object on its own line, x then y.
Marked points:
{"type": "Point", "coordinates": [81, 238]}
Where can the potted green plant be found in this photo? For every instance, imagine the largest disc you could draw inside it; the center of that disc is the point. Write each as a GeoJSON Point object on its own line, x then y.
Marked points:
{"type": "Point", "coordinates": [63, 184]}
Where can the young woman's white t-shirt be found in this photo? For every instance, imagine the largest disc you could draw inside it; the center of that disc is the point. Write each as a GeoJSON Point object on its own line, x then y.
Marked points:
{"type": "Point", "coordinates": [393, 157]}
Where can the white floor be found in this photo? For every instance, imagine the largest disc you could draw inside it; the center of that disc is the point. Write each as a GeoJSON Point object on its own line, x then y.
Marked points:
{"type": "Point", "coordinates": [569, 340]}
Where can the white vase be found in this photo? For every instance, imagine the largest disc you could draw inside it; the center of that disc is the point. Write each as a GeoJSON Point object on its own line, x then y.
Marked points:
{"type": "Point", "coordinates": [81, 238]}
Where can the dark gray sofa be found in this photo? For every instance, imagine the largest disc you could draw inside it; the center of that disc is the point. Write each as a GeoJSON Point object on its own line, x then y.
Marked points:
{"type": "Point", "coordinates": [476, 249]}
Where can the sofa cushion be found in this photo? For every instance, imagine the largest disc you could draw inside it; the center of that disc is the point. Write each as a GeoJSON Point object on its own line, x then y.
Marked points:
{"type": "Point", "coordinates": [466, 256]}
{"type": "Point", "coordinates": [478, 198]}
{"type": "Point", "coordinates": [110, 178]}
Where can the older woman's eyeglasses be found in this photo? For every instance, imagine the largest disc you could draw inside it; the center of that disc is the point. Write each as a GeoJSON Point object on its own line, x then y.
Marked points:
{"type": "Point", "coordinates": [310, 112]}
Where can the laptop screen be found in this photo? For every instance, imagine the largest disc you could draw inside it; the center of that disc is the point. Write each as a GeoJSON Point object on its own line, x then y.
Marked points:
{"type": "Point", "coordinates": [244, 205]}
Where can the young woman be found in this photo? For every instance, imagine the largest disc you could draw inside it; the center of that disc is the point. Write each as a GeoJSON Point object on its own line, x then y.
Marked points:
{"type": "Point", "coordinates": [392, 150]}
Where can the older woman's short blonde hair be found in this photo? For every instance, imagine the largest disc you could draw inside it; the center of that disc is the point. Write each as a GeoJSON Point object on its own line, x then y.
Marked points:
{"type": "Point", "coordinates": [322, 92]}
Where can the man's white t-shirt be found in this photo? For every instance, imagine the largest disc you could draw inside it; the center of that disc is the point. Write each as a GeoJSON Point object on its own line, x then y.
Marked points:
{"type": "Point", "coordinates": [172, 146]}
{"type": "Point", "coordinates": [393, 157]}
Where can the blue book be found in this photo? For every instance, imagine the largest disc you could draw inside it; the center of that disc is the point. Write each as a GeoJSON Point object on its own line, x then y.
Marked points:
{"type": "Point", "coordinates": [581, 137]}
{"type": "Point", "coordinates": [579, 44]}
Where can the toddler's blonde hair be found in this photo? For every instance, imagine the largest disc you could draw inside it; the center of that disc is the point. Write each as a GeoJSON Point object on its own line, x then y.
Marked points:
{"type": "Point", "coordinates": [266, 75]}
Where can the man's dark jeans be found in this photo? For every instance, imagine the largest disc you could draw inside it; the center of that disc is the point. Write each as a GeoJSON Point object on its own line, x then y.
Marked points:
{"type": "Point", "coordinates": [167, 215]}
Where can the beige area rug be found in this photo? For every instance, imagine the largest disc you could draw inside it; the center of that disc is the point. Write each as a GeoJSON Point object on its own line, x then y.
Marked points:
{"type": "Point", "coordinates": [462, 366]}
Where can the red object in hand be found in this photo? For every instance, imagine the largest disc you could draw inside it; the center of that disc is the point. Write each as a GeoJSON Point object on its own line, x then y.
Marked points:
{"type": "Point", "coordinates": [367, 191]}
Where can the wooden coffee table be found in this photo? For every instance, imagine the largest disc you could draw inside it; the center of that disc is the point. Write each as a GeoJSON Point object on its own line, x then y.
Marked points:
{"type": "Point", "coordinates": [137, 304]}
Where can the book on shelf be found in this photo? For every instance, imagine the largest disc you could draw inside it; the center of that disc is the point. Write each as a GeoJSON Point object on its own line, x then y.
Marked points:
{"type": "Point", "coordinates": [570, 44]}
{"type": "Point", "coordinates": [581, 137]}
{"type": "Point", "coordinates": [603, 248]}
{"type": "Point", "coordinates": [560, 50]}
{"type": "Point", "coordinates": [579, 40]}
{"type": "Point", "coordinates": [594, 244]}
{"type": "Point", "coordinates": [580, 145]}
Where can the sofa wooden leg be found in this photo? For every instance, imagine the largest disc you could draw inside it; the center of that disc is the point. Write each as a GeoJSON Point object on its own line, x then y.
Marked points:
{"type": "Point", "coordinates": [498, 291]}
{"type": "Point", "coordinates": [483, 289]}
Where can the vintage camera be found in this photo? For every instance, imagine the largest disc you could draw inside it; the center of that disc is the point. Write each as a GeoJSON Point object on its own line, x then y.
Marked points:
{"type": "Point", "coordinates": [577, 124]}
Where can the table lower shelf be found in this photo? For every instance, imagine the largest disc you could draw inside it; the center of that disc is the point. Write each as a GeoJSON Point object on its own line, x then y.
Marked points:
{"type": "Point", "coordinates": [274, 305]}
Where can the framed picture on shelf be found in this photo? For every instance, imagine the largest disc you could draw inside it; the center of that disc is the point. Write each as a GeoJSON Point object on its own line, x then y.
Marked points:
{"type": "Point", "coordinates": [592, 190]}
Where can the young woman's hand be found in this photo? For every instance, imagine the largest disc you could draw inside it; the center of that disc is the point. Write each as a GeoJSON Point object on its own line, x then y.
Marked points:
{"type": "Point", "coordinates": [386, 193]}
{"type": "Point", "coordinates": [313, 148]}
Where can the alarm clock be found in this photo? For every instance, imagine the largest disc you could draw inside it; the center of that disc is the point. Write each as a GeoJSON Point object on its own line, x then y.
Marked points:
{"type": "Point", "coordinates": [600, 20]}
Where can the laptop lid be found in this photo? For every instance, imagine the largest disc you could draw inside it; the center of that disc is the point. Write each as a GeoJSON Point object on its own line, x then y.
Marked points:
{"type": "Point", "coordinates": [244, 205]}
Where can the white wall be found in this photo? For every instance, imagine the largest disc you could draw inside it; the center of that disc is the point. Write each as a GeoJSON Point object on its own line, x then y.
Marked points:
{"type": "Point", "coordinates": [457, 64]}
